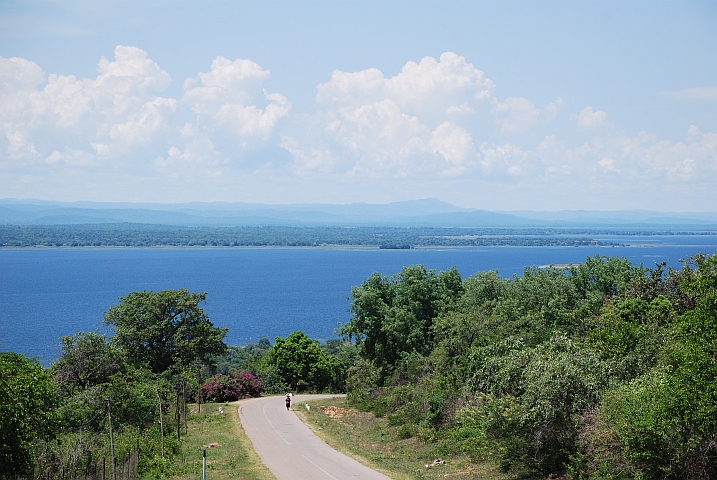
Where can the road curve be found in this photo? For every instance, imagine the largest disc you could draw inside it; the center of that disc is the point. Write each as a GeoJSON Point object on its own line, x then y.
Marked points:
{"type": "Point", "coordinates": [290, 449]}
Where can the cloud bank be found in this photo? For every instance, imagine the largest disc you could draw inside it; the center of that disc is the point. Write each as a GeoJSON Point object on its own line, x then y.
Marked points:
{"type": "Point", "coordinates": [437, 128]}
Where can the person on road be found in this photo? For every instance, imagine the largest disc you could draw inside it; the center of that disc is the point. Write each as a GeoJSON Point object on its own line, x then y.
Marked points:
{"type": "Point", "coordinates": [288, 401]}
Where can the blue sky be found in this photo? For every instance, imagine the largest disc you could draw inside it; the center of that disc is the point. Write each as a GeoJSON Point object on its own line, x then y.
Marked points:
{"type": "Point", "coordinates": [494, 105]}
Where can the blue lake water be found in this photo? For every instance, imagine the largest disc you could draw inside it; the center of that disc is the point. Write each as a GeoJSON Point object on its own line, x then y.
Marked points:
{"type": "Point", "coordinates": [47, 293]}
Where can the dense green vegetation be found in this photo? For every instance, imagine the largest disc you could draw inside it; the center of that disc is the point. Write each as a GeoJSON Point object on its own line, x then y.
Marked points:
{"type": "Point", "coordinates": [164, 329]}
{"type": "Point", "coordinates": [600, 370]}
{"type": "Point", "coordinates": [55, 422]}
{"type": "Point", "coordinates": [27, 411]}
{"type": "Point", "coordinates": [603, 370]}
{"type": "Point", "coordinates": [140, 235]}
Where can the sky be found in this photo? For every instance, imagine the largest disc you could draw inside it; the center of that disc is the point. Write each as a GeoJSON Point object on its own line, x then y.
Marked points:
{"type": "Point", "coordinates": [532, 105]}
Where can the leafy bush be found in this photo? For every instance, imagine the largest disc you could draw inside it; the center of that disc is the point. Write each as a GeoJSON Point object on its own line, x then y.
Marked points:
{"type": "Point", "coordinates": [394, 316]}
{"type": "Point", "coordinates": [637, 414]}
{"type": "Point", "coordinates": [228, 388]}
{"type": "Point", "coordinates": [303, 365]}
{"type": "Point", "coordinates": [407, 431]}
{"type": "Point", "coordinates": [27, 404]}
{"type": "Point", "coordinates": [533, 401]}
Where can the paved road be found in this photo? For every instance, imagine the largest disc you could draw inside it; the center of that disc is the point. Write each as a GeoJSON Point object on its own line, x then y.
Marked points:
{"type": "Point", "coordinates": [290, 449]}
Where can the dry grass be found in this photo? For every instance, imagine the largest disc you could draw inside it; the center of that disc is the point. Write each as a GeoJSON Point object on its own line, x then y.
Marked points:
{"type": "Point", "coordinates": [375, 443]}
{"type": "Point", "coordinates": [232, 457]}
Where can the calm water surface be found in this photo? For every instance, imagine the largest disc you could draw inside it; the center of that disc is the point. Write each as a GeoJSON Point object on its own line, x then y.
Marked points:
{"type": "Point", "coordinates": [45, 294]}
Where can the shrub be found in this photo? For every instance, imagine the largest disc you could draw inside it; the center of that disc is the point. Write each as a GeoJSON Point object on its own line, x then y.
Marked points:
{"type": "Point", "coordinates": [530, 412]}
{"type": "Point", "coordinates": [228, 388]}
{"type": "Point", "coordinates": [407, 431]}
{"type": "Point", "coordinates": [303, 365]}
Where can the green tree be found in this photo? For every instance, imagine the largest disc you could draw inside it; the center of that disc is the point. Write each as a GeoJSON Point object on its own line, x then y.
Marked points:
{"type": "Point", "coordinates": [537, 304]}
{"type": "Point", "coordinates": [665, 421]}
{"type": "Point", "coordinates": [164, 329]}
{"type": "Point", "coordinates": [694, 384]}
{"type": "Point", "coordinates": [542, 392]}
{"type": "Point", "coordinates": [605, 275]}
{"type": "Point", "coordinates": [632, 333]}
{"type": "Point", "coordinates": [303, 365]}
{"type": "Point", "coordinates": [87, 360]}
{"type": "Point", "coordinates": [27, 411]}
{"type": "Point", "coordinates": [239, 358]}
{"type": "Point", "coordinates": [393, 317]}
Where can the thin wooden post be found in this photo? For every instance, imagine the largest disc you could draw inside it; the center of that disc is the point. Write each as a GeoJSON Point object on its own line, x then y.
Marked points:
{"type": "Point", "coordinates": [136, 461]}
{"type": "Point", "coordinates": [184, 406]}
{"type": "Point", "coordinates": [199, 389]}
{"type": "Point", "coordinates": [112, 439]}
{"type": "Point", "coordinates": [179, 414]}
{"type": "Point", "coordinates": [161, 423]}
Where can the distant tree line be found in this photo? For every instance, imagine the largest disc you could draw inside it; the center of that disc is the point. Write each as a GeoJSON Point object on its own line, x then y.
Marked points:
{"type": "Point", "coordinates": [139, 235]}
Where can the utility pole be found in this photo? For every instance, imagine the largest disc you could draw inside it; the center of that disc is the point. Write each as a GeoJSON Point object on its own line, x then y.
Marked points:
{"type": "Point", "coordinates": [184, 406]}
{"type": "Point", "coordinates": [199, 389]}
{"type": "Point", "coordinates": [161, 424]}
{"type": "Point", "coordinates": [179, 413]}
{"type": "Point", "coordinates": [112, 439]}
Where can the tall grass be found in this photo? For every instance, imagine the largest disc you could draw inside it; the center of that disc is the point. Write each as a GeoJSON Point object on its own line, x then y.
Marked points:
{"type": "Point", "coordinates": [395, 450]}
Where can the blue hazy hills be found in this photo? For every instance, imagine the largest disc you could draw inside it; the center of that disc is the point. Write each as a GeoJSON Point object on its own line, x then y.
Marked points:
{"type": "Point", "coordinates": [413, 213]}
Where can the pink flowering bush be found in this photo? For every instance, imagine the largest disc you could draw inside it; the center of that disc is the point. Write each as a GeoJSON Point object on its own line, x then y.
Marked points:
{"type": "Point", "coordinates": [227, 388]}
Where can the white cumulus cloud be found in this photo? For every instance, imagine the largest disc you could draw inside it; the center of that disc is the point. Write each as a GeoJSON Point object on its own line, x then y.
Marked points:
{"type": "Point", "coordinates": [455, 144]}
{"type": "Point", "coordinates": [232, 110]}
{"type": "Point", "coordinates": [436, 122]}
{"type": "Point", "coordinates": [590, 119]}
{"type": "Point", "coordinates": [411, 123]}
{"type": "Point", "coordinates": [425, 120]}
{"type": "Point", "coordinates": [120, 119]}
{"type": "Point", "coordinates": [110, 114]}
{"type": "Point", "coordinates": [646, 158]}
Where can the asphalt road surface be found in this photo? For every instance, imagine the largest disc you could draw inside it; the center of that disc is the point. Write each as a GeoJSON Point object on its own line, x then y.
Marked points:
{"type": "Point", "coordinates": [290, 449]}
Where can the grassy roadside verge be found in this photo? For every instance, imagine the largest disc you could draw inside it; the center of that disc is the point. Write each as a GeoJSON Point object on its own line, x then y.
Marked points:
{"type": "Point", "coordinates": [234, 457]}
{"type": "Point", "coordinates": [375, 443]}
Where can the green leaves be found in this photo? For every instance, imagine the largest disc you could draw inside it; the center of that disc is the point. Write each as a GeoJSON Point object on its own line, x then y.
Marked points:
{"type": "Point", "coordinates": [607, 275]}
{"type": "Point", "coordinates": [303, 365]}
{"type": "Point", "coordinates": [87, 360]}
{"type": "Point", "coordinates": [639, 414]}
{"type": "Point", "coordinates": [27, 403]}
{"type": "Point", "coordinates": [549, 387]}
{"type": "Point", "coordinates": [394, 316]}
{"type": "Point", "coordinates": [516, 369]}
{"type": "Point", "coordinates": [164, 329]}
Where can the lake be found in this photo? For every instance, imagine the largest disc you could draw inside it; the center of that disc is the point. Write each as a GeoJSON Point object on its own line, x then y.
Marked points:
{"type": "Point", "coordinates": [255, 292]}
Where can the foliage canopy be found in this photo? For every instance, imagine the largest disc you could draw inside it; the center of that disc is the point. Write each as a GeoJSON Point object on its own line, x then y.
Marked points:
{"type": "Point", "coordinates": [27, 411]}
{"type": "Point", "coordinates": [302, 365]}
{"type": "Point", "coordinates": [164, 329]}
{"type": "Point", "coordinates": [598, 370]}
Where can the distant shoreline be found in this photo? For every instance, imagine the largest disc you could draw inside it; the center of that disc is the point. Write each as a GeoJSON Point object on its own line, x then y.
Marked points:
{"type": "Point", "coordinates": [339, 247]}
{"type": "Point", "coordinates": [355, 238]}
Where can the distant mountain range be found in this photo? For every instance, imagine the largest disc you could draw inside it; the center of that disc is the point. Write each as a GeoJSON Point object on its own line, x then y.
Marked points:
{"type": "Point", "coordinates": [414, 213]}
